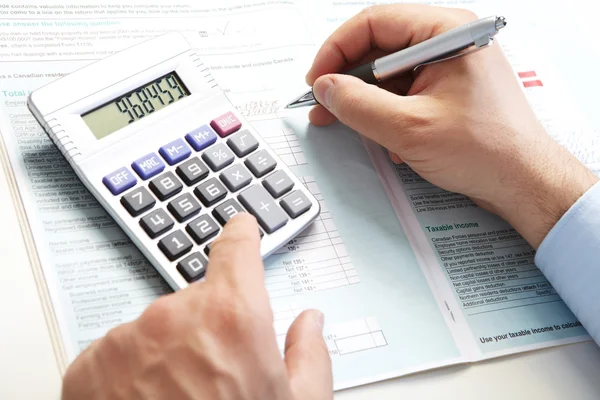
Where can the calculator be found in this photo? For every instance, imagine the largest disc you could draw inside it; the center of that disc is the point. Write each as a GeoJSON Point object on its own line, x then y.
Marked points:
{"type": "Point", "coordinates": [157, 142]}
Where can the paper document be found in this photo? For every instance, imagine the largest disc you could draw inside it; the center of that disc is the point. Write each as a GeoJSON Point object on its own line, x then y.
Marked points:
{"type": "Point", "coordinates": [399, 296]}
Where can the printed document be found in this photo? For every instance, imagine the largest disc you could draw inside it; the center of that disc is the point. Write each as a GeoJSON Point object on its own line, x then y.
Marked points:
{"type": "Point", "coordinates": [409, 277]}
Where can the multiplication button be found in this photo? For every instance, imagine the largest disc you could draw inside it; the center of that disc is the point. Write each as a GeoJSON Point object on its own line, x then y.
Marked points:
{"type": "Point", "coordinates": [236, 177]}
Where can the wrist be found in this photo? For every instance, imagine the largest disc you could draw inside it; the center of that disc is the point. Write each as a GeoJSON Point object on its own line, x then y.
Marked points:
{"type": "Point", "coordinates": [543, 191]}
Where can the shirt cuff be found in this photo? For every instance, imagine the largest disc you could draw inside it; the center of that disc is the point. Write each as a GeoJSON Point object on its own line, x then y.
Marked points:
{"type": "Point", "coordinates": [569, 257]}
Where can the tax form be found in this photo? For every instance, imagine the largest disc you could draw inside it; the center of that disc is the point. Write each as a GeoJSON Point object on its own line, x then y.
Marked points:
{"type": "Point", "coordinates": [389, 308]}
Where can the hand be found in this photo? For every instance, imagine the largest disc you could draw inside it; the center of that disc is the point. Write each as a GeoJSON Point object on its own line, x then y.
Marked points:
{"type": "Point", "coordinates": [464, 125]}
{"type": "Point", "coordinates": [212, 340]}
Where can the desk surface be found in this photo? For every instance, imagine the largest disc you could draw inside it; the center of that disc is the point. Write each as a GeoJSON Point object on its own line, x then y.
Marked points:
{"type": "Point", "coordinates": [29, 369]}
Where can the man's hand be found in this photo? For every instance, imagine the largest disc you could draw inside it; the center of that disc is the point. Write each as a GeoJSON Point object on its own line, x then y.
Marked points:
{"type": "Point", "coordinates": [464, 125]}
{"type": "Point", "coordinates": [212, 340]}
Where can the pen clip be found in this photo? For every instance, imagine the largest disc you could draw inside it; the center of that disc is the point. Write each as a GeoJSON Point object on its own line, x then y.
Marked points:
{"type": "Point", "coordinates": [484, 43]}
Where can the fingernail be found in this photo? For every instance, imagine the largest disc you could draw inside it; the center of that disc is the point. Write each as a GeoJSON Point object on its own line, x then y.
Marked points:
{"type": "Point", "coordinates": [394, 157]}
{"type": "Point", "coordinates": [320, 320]}
{"type": "Point", "coordinates": [322, 90]}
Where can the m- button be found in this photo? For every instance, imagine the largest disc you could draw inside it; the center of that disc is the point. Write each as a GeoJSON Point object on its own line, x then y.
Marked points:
{"type": "Point", "coordinates": [119, 181]}
{"type": "Point", "coordinates": [226, 124]}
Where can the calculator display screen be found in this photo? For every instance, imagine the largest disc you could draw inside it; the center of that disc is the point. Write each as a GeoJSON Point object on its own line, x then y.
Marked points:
{"type": "Point", "coordinates": [135, 105]}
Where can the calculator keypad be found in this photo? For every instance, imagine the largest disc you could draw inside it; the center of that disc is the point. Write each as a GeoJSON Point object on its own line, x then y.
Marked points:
{"type": "Point", "coordinates": [295, 204]}
{"type": "Point", "coordinates": [203, 228]}
{"type": "Point", "coordinates": [218, 157]}
{"type": "Point", "coordinates": [261, 163]}
{"type": "Point", "coordinates": [260, 203]}
{"type": "Point", "coordinates": [175, 245]}
{"type": "Point", "coordinates": [184, 207]}
{"type": "Point", "coordinates": [219, 168]}
{"type": "Point", "coordinates": [192, 171]}
{"type": "Point", "coordinates": [278, 183]}
{"type": "Point", "coordinates": [165, 186]}
{"type": "Point", "coordinates": [236, 177]}
{"type": "Point", "coordinates": [175, 151]}
{"type": "Point", "coordinates": [138, 201]}
{"type": "Point", "coordinates": [193, 267]}
{"type": "Point", "coordinates": [156, 223]}
{"type": "Point", "coordinates": [201, 138]}
{"type": "Point", "coordinates": [242, 143]}
{"type": "Point", "coordinates": [226, 124]}
{"type": "Point", "coordinates": [227, 210]}
{"type": "Point", "coordinates": [210, 192]}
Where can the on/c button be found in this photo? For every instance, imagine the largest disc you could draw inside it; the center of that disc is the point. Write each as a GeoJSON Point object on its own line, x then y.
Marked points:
{"type": "Point", "coordinates": [119, 181]}
{"type": "Point", "coordinates": [226, 124]}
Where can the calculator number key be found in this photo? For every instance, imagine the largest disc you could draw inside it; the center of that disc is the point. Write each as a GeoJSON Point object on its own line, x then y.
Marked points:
{"type": "Point", "coordinates": [138, 201]}
{"type": "Point", "coordinates": [192, 171]}
{"type": "Point", "coordinates": [259, 202]}
{"type": "Point", "coordinates": [260, 163]}
{"type": "Point", "coordinates": [218, 157]}
{"type": "Point", "coordinates": [175, 245]}
{"type": "Point", "coordinates": [165, 186]}
{"type": "Point", "coordinates": [227, 210]}
{"type": "Point", "coordinates": [156, 223]}
{"type": "Point", "coordinates": [193, 267]}
{"type": "Point", "coordinates": [210, 192]}
{"type": "Point", "coordinates": [203, 228]}
{"type": "Point", "coordinates": [184, 207]}
{"type": "Point", "coordinates": [242, 143]}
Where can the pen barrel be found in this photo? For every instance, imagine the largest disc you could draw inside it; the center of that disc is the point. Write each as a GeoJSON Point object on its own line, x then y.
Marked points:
{"type": "Point", "coordinates": [437, 47]}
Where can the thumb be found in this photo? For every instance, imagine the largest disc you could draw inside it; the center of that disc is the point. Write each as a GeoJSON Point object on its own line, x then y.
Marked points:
{"type": "Point", "coordinates": [307, 358]}
{"type": "Point", "coordinates": [374, 112]}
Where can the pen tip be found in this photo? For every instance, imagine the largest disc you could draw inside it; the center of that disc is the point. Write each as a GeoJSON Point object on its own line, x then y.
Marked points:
{"type": "Point", "coordinates": [500, 23]}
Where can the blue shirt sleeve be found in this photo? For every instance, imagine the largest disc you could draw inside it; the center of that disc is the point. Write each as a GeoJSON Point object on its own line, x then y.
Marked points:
{"type": "Point", "coordinates": [569, 257]}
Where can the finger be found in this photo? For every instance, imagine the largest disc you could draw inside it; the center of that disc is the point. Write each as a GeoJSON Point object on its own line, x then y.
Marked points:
{"type": "Point", "coordinates": [320, 116]}
{"type": "Point", "coordinates": [307, 358]}
{"type": "Point", "coordinates": [395, 158]}
{"type": "Point", "coordinates": [388, 27]}
{"type": "Point", "coordinates": [235, 253]}
{"type": "Point", "coordinates": [372, 111]}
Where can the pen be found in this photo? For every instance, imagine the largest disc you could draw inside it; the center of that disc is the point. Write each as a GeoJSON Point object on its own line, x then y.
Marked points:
{"type": "Point", "coordinates": [439, 48]}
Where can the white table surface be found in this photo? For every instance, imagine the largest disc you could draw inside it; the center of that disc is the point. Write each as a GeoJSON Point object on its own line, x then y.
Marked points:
{"type": "Point", "coordinates": [28, 369]}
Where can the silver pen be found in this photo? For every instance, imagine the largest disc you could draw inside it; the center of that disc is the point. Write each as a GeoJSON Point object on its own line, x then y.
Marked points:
{"type": "Point", "coordinates": [448, 45]}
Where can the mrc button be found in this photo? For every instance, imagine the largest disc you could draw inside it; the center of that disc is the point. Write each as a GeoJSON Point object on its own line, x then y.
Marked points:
{"type": "Point", "coordinates": [119, 181]}
{"type": "Point", "coordinates": [226, 124]}
{"type": "Point", "coordinates": [148, 166]}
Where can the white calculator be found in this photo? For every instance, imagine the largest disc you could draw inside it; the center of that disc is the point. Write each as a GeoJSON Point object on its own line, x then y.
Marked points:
{"type": "Point", "coordinates": [153, 137]}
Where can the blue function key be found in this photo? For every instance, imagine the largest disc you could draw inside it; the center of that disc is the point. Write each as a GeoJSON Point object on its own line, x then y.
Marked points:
{"type": "Point", "coordinates": [148, 166]}
{"type": "Point", "coordinates": [175, 151]}
{"type": "Point", "coordinates": [201, 138]}
{"type": "Point", "coordinates": [119, 181]}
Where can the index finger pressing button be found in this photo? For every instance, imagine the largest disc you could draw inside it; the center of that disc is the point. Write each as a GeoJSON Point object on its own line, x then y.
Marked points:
{"type": "Point", "coordinates": [259, 203]}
